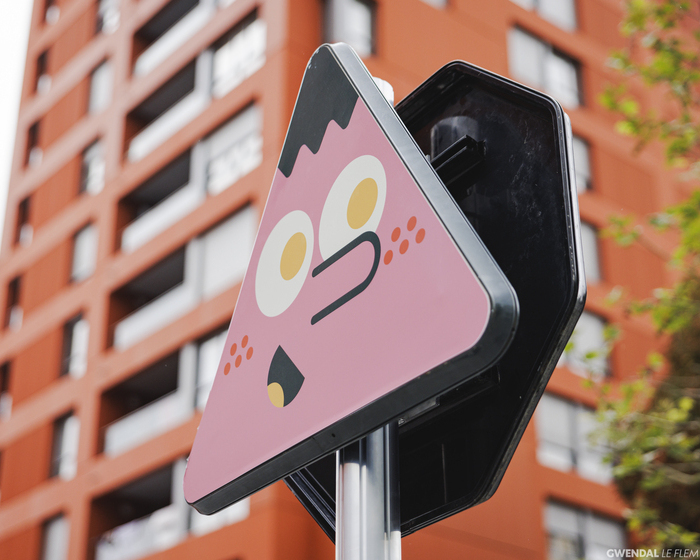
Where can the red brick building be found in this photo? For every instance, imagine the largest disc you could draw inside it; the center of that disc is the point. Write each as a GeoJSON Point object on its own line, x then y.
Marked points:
{"type": "Point", "coordinates": [149, 131]}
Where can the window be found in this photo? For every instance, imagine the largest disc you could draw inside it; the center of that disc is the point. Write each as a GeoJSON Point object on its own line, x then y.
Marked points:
{"type": "Point", "coordinates": [5, 396]}
{"type": "Point", "coordinates": [23, 230]}
{"type": "Point", "coordinates": [209, 355]}
{"type": "Point", "coordinates": [100, 88]}
{"type": "Point", "coordinates": [536, 63]}
{"type": "Point", "coordinates": [171, 107]}
{"type": "Point", "coordinates": [43, 80]}
{"type": "Point", "coordinates": [563, 433]}
{"type": "Point", "coordinates": [107, 16]}
{"type": "Point", "coordinates": [587, 355]}
{"type": "Point", "coordinates": [13, 309]}
{"type": "Point", "coordinates": [76, 334]}
{"type": "Point", "coordinates": [352, 22]}
{"type": "Point", "coordinates": [234, 150]}
{"type": "Point", "coordinates": [162, 200]}
{"type": "Point", "coordinates": [582, 165]}
{"type": "Point", "coordinates": [167, 96]}
{"type": "Point", "coordinates": [144, 516]}
{"type": "Point", "coordinates": [591, 259]}
{"type": "Point", "coordinates": [51, 12]}
{"type": "Point", "coordinates": [64, 451]}
{"type": "Point", "coordinates": [84, 253]}
{"type": "Point", "coordinates": [149, 403]}
{"type": "Point", "coordinates": [54, 538]}
{"type": "Point", "coordinates": [234, 237]}
{"type": "Point", "coordinates": [168, 30]}
{"type": "Point", "coordinates": [203, 524]}
{"type": "Point", "coordinates": [155, 298]}
{"type": "Point", "coordinates": [92, 169]}
{"type": "Point", "coordinates": [559, 12]}
{"type": "Point", "coordinates": [240, 54]}
{"type": "Point", "coordinates": [573, 533]}
{"type": "Point", "coordinates": [211, 165]}
{"type": "Point", "coordinates": [175, 285]}
{"type": "Point", "coordinates": [34, 152]}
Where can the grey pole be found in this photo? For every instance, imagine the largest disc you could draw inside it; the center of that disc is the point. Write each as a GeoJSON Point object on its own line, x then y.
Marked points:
{"type": "Point", "coordinates": [368, 523]}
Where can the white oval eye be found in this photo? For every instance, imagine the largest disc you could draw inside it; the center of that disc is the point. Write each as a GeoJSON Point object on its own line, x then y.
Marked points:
{"type": "Point", "coordinates": [354, 204]}
{"type": "Point", "coordinates": [284, 263]}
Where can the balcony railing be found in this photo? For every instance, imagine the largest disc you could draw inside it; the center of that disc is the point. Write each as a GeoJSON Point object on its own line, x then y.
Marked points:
{"type": "Point", "coordinates": [177, 116]}
{"type": "Point", "coordinates": [214, 164]}
{"type": "Point", "coordinates": [174, 37]}
{"type": "Point", "coordinates": [5, 406]}
{"type": "Point", "coordinates": [165, 308]}
{"type": "Point", "coordinates": [15, 316]}
{"type": "Point", "coordinates": [162, 216]}
{"type": "Point", "coordinates": [206, 274]}
{"type": "Point", "coordinates": [239, 58]}
{"type": "Point", "coordinates": [160, 530]}
{"type": "Point", "coordinates": [234, 150]}
{"type": "Point", "coordinates": [202, 524]}
{"type": "Point", "coordinates": [148, 422]}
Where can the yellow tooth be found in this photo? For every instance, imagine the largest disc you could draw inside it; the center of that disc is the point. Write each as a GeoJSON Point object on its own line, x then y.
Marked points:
{"type": "Point", "coordinates": [276, 394]}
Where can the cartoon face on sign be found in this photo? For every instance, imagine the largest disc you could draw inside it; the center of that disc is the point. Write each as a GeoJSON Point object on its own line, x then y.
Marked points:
{"type": "Point", "coordinates": [349, 217]}
{"type": "Point", "coordinates": [354, 289]}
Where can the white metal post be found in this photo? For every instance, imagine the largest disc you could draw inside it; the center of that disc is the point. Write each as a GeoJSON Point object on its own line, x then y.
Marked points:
{"type": "Point", "coordinates": [368, 523]}
{"type": "Point", "coordinates": [367, 516]}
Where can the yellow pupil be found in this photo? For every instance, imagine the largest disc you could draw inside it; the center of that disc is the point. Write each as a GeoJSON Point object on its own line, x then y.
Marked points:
{"type": "Point", "coordinates": [293, 256]}
{"type": "Point", "coordinates": [362, 202]}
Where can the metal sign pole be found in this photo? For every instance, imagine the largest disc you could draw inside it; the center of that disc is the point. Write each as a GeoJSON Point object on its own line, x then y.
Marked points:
{"type": "Point", "coordinates": [368, 523]}
{"type": "Point", "coordinates": [368, 518]}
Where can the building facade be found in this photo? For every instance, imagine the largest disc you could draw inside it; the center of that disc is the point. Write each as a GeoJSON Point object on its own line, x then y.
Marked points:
{"type": "Point", "coordinates": [148, 136]}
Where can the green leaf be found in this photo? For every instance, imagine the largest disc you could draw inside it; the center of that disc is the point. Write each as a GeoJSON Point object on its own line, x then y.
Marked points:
{"type": "Point", "coordinates": [626, 128]}
{"type": "Point", "coordinates": [629, 107]}
{"type": "Point", "coordinates": [653, 431]}
{"type": "Point", "coordinates": [686, 404]}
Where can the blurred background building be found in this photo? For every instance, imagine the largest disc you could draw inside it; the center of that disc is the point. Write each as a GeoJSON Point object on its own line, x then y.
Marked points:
{"type": "Point", "coordinates": [147, 139]}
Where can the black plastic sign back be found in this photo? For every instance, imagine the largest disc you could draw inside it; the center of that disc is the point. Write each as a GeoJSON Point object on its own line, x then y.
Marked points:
{"type": "Point", "coordinates": [504, 152]}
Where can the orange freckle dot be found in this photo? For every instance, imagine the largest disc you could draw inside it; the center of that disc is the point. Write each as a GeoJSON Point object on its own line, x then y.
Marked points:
{"type": "Point", "coordinates": [395, 234]}
{"type": "Point", "coordinates": [227, 368]}
{"type": "Point", "coordinates": [233, 349]}
{"type": "Point", "coordinates": [388, 256]}
{"type": "Point", "coordinates": [239, 359]}
{"type": "Point", "coordinates": [249, 354]}
{"type": "Point", "coordinates": [411, 223]}
{"type": "Point", "coordinates": [404, 246]}
{"type": "Point", "coordinates": [244, 342]}
{"type": "Point", "coordinates": [420, 235]}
